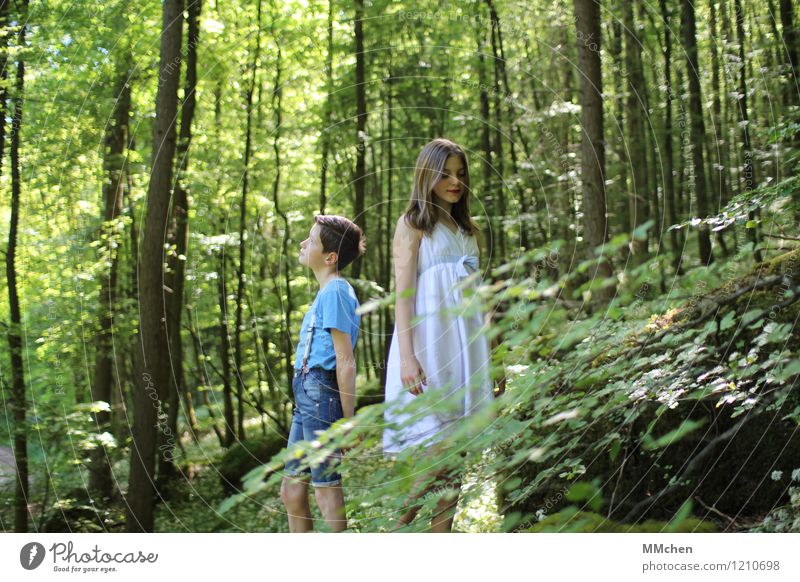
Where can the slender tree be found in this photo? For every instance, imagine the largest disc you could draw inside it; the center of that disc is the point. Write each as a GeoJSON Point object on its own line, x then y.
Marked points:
{"type": "Point", "coordinates": [152, 377]}
{"type": "Point", "coordinates": [493, 219]}
{"type": "Point", "coordinates": [225, 352]}
{"type": "Point", "coordinates": [669, 178]}
{"type": "Point", "coordinates": [359, 179]}
{"type": "Point", "coordinates": [178, 235]}
{"type": "Point", "coordinates": [18, 399]}
{"type": "Point", "coordinates": [697, 126]}
{"type": "Point", "coordinates": [277, 109]}
{"type": "Point", "coordinates": [116, 140]}
{"type": "Point", "coordinates": [500, 75]}
{"type": "Point", "coordinates": [748, 171]}
{"type": "Point", "coordinates": [791, 42]}
{"type": "Point", "coordinates": [638, 191]}
{"type": "Point", "coordinates": [595, 227]}
{"type": "Point", "coordinates": [242, 272]}
{"type": "Point", "coordinates": [327, 115]}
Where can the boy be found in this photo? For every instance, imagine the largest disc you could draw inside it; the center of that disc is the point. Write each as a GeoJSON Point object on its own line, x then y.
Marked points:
{"type": "Point", "coordinates": [325, 371]}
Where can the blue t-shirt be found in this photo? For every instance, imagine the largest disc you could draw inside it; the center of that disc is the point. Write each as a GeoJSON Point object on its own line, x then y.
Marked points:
{"type": "Point", "coordinates": [335, 306]}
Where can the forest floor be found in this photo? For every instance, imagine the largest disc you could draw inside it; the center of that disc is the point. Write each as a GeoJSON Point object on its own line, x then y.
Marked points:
{"type": "Point", "coordinates": [193, 505]}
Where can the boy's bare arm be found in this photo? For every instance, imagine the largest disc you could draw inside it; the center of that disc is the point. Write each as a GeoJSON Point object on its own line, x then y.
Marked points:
{"type": "Point", "coordinates": [345, 370]}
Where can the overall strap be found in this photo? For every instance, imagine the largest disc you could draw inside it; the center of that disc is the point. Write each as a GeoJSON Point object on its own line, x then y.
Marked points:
{"type": "Point", "coordinates": [309, 336]}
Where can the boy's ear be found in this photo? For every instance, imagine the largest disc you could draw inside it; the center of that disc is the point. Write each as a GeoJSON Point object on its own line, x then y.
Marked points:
{"type": "Point", "coordinates": [332, 258]}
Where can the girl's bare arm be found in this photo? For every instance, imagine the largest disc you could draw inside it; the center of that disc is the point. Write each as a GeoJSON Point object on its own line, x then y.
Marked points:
{"type": "Point", "coordinates": [405, 249]}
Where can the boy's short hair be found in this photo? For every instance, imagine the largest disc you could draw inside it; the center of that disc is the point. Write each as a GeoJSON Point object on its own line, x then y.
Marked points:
{"type": "Point", "coordinates": [341, 236]}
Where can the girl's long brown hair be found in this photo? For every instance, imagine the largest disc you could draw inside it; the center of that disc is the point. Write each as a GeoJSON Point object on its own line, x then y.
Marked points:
{"type": "Point", "coordinates": [421, 212]}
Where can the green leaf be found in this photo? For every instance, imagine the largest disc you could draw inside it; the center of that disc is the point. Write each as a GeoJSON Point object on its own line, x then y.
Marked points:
{"type": "Point", "coordinates": [640, 232]}
{"type": "Point", "coordinates": [727, 321]}
{"type": "Point", "coordinates": [672, 436]}
{"type": "Point", "coordinates": [683, 513]}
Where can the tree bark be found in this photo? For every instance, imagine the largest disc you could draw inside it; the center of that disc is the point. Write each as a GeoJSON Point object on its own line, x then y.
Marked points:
{"type": "Point", "coordinates": [18, 399]}
{"type": "Point", "coordinates": [498, 158]}
{"type": "Point", "coordinates": [100, 478]}
{"type": "Point", "coordinates": [748, 171]}
{"type": "Point", "coordinates": [669, 179]}
{"type": "Point", "coordinates": [359, 179]}
{"type": "Point", "coordinates": [486, 148]}
{"type": "Point", "coordinates": [697, 127]}
{"type": "Point", "coordinates": [386, 313]}
{"type": "Point", "coordinates": [277, 108]}
{"type": "Point", "coordinates": [791, 64]}
{"type": "Point", "coordinates": [225, 355]}
{"type": "Point", "coordinates": [638, 192]}
{"type": "Point", "coordinates": [179, 236]}
{"type": "Point", "coordinates": [327, 115]}
{"type": "Point", "coordinates": [152, 362]}
{"type": "Point", "coordinates": [242, 274]}
{"type": "Point", "coordinates": [595, 228]}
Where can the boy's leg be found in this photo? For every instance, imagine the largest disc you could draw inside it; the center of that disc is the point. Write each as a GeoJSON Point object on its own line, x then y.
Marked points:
{"type": "Point", "coordinates": [294, 494]}
{"type": "Point", "coordinates": [321, 388]}
{"type": "Point", "coordinates": [294, 485]}
{"type": "Point", "coordinates": [330, 500]}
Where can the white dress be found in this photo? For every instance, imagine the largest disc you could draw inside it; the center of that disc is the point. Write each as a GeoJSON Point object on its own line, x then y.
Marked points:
{"type": "Point", "coordinates": [451, 347]}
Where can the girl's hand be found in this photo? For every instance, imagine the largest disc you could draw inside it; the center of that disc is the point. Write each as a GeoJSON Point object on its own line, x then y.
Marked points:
{"type": "Point", "coordinates": [500, 387]}
{"type": "Point", "coordinates": [412, 375]}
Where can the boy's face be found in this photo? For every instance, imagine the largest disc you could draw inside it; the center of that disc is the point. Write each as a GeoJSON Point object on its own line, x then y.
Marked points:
{"type": "Point", "coordinates": [311, 254]}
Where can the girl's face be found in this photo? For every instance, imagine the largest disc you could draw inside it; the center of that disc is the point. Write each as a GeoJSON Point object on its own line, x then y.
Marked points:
{"type": "Point", "coordinates": [450, 187]}
{"type": "Point", "coordinates": [311, 254]}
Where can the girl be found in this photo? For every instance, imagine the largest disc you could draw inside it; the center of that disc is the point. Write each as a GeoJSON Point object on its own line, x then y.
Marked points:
{"type": "Point", "coordinates": [445, 354]}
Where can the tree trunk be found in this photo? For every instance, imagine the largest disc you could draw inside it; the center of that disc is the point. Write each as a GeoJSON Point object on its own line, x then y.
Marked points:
{"type": "Point", "coordinates": [720, 185]}
{"type": "Point", "coordinates": [747, 170]}
{"type": "Point", "coordinates": [638, 207]}
{"type": "Point", "coordinates": [697, 127]}
{"type": "Point", "coordinates": [359, 179]}
{"type": "Point", "coordinates": [791, 95]}
{"type": "Point", "coordinates": [242, 273]}
{"type": "Point", "coordinates": [618, 206]}
{"type": "Point", "coordinates": [388, 320]}
{"type": "Point", "coordinates": [500, 64]}
{"type": "Point", "coordinates": [498, 158]}
{"type": "Point", "coordinates": [669, 179]}
{"type": "Point", "coordinates": [225, 354]}
{"type": "Point", "coordinates": [179, 236]}
{"type": "Point", "coordinates": [100, 478]}
{"type": "Point", "coordinates": [277, 108]}
{"type": "Point", "coordinates": [18, 401]}
{"type": "Point", "coordinates": [715, 162]}
{"type": "Point", "coordinates": [791, 42]}
{"type": "Point", "coordinates": [486, 148]}
{"type": "Point", "coordinates": [595, 229]}
{"type": "Point", "coordinates": [328, 115]}
{"type": "Point", "coordinates": [152, 362]}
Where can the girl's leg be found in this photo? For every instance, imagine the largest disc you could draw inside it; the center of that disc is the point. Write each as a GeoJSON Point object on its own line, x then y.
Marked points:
{"type": "Point", "coordinates": [442, 520]}
{"type": "Point", "coordinates": [417, 492]}
{"type": "Point", "coordinates": [444, 485]}
{"type": "Point", "coordinates": [330, 500]}
{"type": "Point", "coordinates": [294, 494]}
